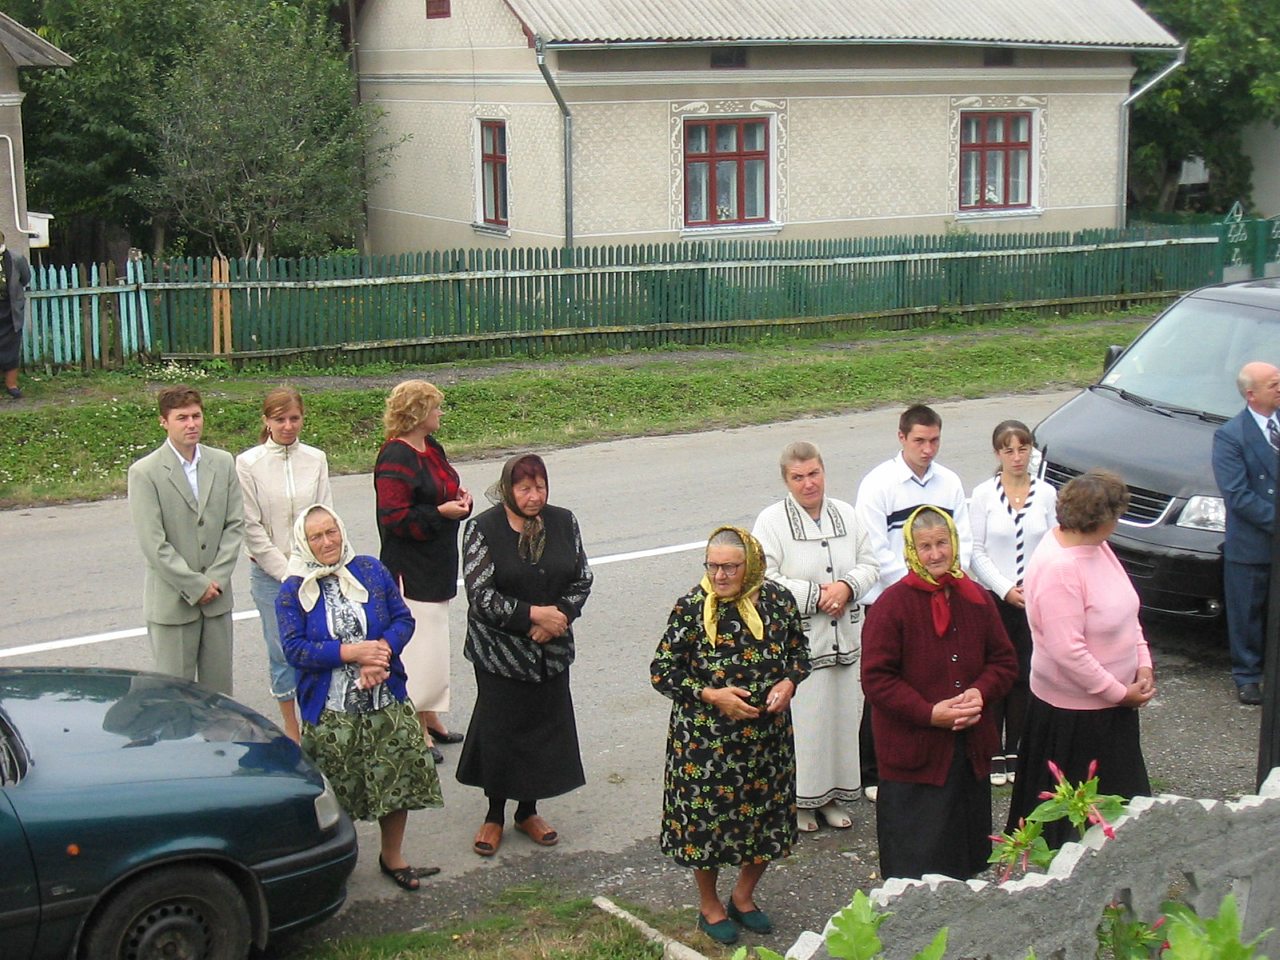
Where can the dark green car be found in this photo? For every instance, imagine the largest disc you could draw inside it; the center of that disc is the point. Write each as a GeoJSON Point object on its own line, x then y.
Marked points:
{"type": "Point", "coordinates": [145, 817]}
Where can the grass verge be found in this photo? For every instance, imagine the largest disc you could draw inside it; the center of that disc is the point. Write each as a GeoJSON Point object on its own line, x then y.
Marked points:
{"type": "Point", "coordinates": [527, 923]}
{"type": "Point", "coordinates": [76, 436]}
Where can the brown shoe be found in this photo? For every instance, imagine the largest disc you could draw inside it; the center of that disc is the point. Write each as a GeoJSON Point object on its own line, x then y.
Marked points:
{"type": "Point", "coordinates": [488, 840]}
{"type": "Point", "coordinates": [539, 831]}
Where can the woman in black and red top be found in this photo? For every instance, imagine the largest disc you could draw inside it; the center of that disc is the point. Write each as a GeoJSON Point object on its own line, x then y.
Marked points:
{"type": "Point", "coordinates": [420, 505]}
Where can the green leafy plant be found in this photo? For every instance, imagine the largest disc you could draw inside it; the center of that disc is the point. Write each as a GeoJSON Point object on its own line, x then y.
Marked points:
{"type": "Point", "coordinates": [1192, 937]}
{"type": "Point", "coordinates": [1122, 936]}
{"type": "Point", "coordinates": [1080, 803]}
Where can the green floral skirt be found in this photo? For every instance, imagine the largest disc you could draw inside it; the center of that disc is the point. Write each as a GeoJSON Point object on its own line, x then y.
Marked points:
{"type": "Point", "coordinates": [377, 762]}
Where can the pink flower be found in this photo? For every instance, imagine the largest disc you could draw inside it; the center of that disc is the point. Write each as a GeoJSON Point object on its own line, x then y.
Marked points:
{"type": "Point", "coordinates": [1095, 817]}
{"type": "Point", "coordinates": [1057, 772]}
{"type": "Point", "coordinates": [1093, 770]}
{"type": "Point", "coordinates": [1047, 795]}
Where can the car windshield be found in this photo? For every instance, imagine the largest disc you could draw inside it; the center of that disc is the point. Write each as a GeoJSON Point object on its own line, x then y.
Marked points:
{"type": "Point", "coordinates": [1191, 356]}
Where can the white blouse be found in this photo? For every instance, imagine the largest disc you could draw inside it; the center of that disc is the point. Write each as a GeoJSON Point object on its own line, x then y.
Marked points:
{"type": "Point", "coordinates": [1005, 538]}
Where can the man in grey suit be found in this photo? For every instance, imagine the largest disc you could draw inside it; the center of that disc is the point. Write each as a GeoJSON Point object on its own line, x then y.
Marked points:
{"type": "Point", "coordinates": [15, 277]}
{"type": "Point", "coordinates": [1245, 450]}
{"type": "Point", "coordinates": [189, 517]}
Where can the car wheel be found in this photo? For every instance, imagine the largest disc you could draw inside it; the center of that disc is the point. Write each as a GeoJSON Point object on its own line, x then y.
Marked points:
{"type": "Point", "coordinates": [175, 913]}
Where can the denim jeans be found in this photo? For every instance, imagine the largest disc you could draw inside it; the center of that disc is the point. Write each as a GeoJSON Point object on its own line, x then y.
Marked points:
{"type": "Point", "coordinates": [264, 588]}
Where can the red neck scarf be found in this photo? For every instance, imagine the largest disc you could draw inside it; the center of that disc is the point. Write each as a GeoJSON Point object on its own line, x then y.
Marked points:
{"type": "Point", "coordinates": [939, 605]}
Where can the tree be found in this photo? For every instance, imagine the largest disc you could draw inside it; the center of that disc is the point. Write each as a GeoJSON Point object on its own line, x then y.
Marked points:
{"type": "Point", "coordinates": [84, 142]}
{"type": "Point", "coordinates": [259, 144]}
{"type": "Point", "coordinates": [1231, 79]}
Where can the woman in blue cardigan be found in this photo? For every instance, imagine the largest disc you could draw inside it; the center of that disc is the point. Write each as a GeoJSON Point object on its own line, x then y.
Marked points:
{"type": "Point", "coordinates": [343, 625]}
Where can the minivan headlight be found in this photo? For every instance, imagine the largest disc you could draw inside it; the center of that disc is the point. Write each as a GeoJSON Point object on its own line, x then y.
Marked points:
{"type": "Point", "coordinates": [1204, 513]}
{"type": "Point", "coordinates": [327, 810]}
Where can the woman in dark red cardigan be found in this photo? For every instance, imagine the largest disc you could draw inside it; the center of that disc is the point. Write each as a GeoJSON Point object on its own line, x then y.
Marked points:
{"type": "Point", "coordinates": [934, 654]}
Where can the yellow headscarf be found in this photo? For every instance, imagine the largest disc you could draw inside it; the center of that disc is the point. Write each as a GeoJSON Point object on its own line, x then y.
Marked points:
{"type": "Point", "coordinates": [744, 598]}
{"type": "Point", "coordinates": [909, 544]}
{"type": "Point", "coordinates": [919, 577]}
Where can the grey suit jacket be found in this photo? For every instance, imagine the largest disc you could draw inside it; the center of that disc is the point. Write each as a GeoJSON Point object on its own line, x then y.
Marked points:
{"type": "Point", "coordinates": [18, 272]}
{"type": "Point", "coordinates": [186, 544]}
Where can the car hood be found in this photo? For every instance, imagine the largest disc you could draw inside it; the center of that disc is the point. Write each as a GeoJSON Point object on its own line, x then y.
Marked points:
{"type": "Point", "coordinates": [82, 727]}
{"type": "Point", "coordinates": [1168, 454]}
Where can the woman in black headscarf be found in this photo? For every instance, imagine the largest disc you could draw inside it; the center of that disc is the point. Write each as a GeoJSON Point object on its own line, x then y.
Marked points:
{"type": "Point", "coordinates": [527, 580]}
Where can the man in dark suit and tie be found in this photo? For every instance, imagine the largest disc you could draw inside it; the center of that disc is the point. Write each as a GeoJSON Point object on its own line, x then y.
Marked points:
{"type": "Point", "coordinates": [189, 516]}
{"type": "Point", "coordinates": [1245, 450]}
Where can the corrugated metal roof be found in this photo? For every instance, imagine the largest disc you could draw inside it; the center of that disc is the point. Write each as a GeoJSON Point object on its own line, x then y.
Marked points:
{"type": "Point", "coordinates": [28, 49]}
{"type": "Point", "coordinates": [1117, 23]}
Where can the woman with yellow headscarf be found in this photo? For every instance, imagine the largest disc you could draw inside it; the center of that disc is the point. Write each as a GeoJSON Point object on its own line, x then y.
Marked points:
{"type": "Point", "coordinates": [934, 657]}
{"type": "Point", "coordinates": [730, 659]}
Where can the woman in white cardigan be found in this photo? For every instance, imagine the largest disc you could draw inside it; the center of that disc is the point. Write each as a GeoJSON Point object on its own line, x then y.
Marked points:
{"type": "Point", "coordinates": [280, 478]}
{"type": "Point", "coordinates": [816, 548]}
{"type": "Point", "coordinates": [1009, 514]}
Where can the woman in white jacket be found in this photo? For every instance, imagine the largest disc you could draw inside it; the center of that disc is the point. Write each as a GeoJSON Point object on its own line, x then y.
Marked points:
{"type": "Point", "coordinates": [816, 548]}
{"type": "Point", "coordinates": [280, 478]}
{"type": "Point", "coordinates": [1009, 514]}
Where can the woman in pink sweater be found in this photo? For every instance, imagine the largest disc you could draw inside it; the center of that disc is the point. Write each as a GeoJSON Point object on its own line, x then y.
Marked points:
{"type": "Point", "coordinates": [1090, 667]}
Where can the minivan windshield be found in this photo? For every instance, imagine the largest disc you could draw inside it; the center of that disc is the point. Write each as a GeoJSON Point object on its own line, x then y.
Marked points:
{"type": "Point", "coordinates": [1190, 356]}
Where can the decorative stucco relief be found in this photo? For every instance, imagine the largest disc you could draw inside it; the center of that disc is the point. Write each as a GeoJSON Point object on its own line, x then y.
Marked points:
{"type": "Point", "coordinates": [620, 168]}
{"type": "Point", "coordinates": [1085, 150]}
{"type": "Point", "coordinates": [866, 157]}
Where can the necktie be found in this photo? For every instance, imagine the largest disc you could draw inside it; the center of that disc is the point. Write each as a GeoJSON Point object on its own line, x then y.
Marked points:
{"type": "Point", "coordinates": [1273, 433]}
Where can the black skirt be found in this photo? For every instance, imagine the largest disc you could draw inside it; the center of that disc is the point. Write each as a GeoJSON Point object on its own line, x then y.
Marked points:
{"type": "Point", "coordinates": [522, 743]}
{"type": "Point", "coordinates": [1073, 739]}
{"type": "Point", "coordinates": [10, 345]}
{"type": "Point", "coordinates": [926, 829]}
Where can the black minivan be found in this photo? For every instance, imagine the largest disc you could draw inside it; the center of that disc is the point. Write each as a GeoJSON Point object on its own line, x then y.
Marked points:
{"type": "Point", "coordinates": [1151, 419]}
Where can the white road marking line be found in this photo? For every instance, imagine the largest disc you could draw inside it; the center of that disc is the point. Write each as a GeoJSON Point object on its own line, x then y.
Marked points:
{"type": "Point", "coordinates": [253, 614]}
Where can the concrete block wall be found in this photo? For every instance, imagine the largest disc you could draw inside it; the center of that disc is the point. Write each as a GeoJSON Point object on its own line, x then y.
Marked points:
{"type": "Point", "coordinates": [1166, 847]}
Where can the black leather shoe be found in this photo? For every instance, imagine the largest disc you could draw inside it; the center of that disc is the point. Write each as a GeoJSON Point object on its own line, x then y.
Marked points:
{"type": "Point", "coordinates": [437, 756]}
{"type": "Point", "coordinates": [440, 736]}
{"type": "Point", "coordinates": [1250, 694]}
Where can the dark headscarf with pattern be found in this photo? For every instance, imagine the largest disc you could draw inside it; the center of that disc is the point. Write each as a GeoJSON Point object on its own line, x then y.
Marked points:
{"type": "Point", "coordinates": [533, 538]}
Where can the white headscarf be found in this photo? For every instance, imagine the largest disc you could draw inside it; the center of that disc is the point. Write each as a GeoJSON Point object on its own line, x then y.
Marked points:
{"type": "Point", "coordinates": [303, 563]}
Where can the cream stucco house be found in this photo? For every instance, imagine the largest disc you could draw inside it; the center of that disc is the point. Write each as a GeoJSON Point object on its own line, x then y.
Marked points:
{"type": "Point", "coordinates": [541, 122]}
{"type": "Point", "coordinates": [19, 48]}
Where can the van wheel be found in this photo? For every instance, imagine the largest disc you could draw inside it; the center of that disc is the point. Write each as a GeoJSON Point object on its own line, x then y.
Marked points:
{"type": "Point", "coordinates": [175, 913]}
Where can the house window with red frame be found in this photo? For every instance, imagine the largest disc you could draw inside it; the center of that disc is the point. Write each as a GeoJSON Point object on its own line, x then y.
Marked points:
{"type": "Point", "coordinates": [437, 9]}
{"type": "Point", "coordinates": [995, 160]}
{"type": "Point", "coordinates": [493, 171]}
{"type": "Point", "coordinates": [726, 171]}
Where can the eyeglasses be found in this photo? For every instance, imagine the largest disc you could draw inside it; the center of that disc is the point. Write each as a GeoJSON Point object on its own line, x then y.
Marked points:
{"type": "Point", "coordinates": [728, 569]}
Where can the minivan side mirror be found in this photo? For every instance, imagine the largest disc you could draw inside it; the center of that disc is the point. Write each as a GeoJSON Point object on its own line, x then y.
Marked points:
{"type": "Point", "coordinates": [1113, 354]}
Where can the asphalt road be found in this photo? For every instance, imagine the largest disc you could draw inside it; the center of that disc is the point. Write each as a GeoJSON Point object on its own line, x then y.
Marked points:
{"type": "Point", "coordinates": [74, 576]}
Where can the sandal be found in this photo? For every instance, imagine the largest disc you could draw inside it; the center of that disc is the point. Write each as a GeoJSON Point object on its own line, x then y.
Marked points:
{"type": "Point", "coordinates": [835, 817]}
{"type": "Point", "coordinates": [488, 840]}
{"type": "Point", "coordinates": [806, 821]}
{"type": "Point", "coordinates": [406, 877]}
{"type": "Point", "coordinates": [539, 831]}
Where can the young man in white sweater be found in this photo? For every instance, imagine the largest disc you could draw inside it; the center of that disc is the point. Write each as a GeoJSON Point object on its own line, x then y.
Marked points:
{"type": "Point", "coordinates": [886, 498]}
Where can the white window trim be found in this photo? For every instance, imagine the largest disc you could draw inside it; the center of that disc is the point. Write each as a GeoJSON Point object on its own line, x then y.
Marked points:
{"type": "Point", "coordinates": [1038, 107]}
{"type": "Point", "coordinates": [772, 111]}
{"type": "Point", "coordinates": [479, 114]}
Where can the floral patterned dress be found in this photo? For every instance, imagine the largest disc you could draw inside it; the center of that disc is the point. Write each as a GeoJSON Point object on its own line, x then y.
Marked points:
{"type": "Point", "coordinates": [729, 787]}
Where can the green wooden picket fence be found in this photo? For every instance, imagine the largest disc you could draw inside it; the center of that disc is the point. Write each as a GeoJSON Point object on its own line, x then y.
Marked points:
{"type": "Point", "coordinates": [469, 303]}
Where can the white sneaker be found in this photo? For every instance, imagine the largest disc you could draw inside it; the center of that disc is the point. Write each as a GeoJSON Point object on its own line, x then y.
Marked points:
{"type": "Point", "coordinates": [871, 793]}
